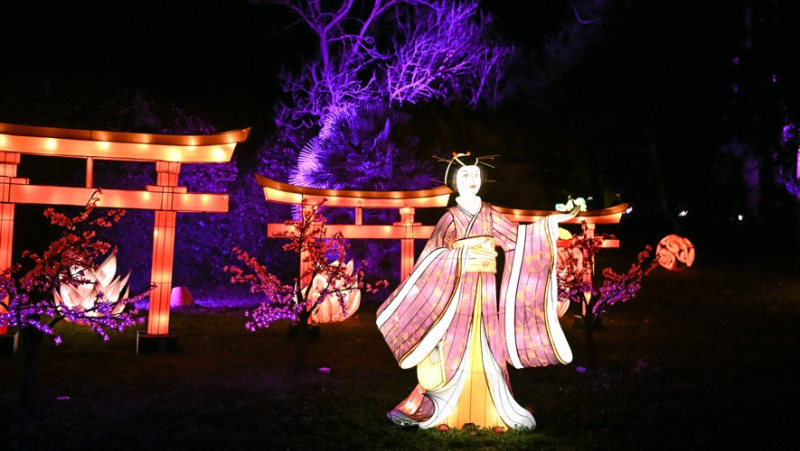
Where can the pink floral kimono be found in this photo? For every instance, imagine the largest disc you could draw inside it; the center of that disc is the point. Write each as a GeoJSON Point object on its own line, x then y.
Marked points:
{"type": "Point", "coordinates": [445, 320]}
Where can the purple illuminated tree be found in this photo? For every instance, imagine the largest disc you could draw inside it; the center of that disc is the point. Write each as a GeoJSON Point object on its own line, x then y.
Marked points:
{"type": "Point", "coordinates": [399, 51]}
{"type": "Point", "coordinates": [368, 147]}
{"type": "Point", "coordinates": [343, 107]}
{"type": "Point", "coordinates": [322, 256]}
{"type": "Point", "coordinates": [28, 289]}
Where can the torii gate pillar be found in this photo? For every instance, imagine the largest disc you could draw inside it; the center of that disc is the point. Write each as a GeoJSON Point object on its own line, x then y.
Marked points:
{"type": "Point", "coordinates": [163, 247]}
{"type": "Point", "coordinates": [8, 170]}
{"type": "Point", "coordinates": [158, 336]}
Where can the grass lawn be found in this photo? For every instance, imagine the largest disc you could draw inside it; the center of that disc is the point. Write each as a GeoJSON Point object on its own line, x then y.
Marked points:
{"type": "Point", "coordinates": [701, 359]}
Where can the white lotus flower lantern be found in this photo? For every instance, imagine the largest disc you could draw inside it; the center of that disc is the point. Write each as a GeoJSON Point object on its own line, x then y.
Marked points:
{"type": "Point", "coordinates": [329, 310]}
{"type": "Point", "coordinates": [99, 283]}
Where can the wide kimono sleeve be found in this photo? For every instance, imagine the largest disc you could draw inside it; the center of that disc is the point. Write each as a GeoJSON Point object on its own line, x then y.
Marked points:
{"type": "Point", "coordinates": [416, 315]}
{"type": "Point", "coordinates": [529, 293]}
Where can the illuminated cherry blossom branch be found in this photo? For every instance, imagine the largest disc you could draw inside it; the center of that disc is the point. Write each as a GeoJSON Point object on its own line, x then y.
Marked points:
{"type": "Point", "coordinates": [577, 271]}
{"type": "Point", "coordinates": [323, 255]}
{"type": "Point", "coordinates": [29, 300]}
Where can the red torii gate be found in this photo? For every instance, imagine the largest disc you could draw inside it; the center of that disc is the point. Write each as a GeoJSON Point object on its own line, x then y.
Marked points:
{"type": "Point", "coordinates": [406, 202]}
{"type": "Point", "coordinates": [166, 197]}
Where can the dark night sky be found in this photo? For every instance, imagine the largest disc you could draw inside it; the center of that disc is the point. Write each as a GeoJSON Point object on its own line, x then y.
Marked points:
{"type": "Point", "coordinates": [219, 55]}
{"type": "Point", "coordinates": [224, 55]}
{"type": "Point", "coordinates": [659, 67]}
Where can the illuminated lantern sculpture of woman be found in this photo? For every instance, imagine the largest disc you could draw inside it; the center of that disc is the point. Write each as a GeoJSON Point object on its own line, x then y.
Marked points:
{"type": "Point", "coordinates": [445, 319]}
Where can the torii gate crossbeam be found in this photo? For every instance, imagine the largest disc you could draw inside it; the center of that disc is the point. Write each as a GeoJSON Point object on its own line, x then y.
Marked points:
{"type": "Point", "coordinates": [406, 202]}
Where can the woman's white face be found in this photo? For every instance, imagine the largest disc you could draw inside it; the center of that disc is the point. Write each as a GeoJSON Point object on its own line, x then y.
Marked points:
{"type": "Point", "coordinates": [468, 180]}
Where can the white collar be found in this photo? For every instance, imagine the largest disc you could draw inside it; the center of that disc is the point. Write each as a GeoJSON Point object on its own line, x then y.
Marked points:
{"type": "Point", "coordinates": [471, 204]}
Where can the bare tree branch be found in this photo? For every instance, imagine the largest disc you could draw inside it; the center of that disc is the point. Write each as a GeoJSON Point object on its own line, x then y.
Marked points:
{"type": "Point", "coordinates": [438, 49]}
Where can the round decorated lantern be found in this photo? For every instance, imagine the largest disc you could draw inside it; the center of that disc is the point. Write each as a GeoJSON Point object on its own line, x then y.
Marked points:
{"type": "Point", "coordinates": [675, 253]}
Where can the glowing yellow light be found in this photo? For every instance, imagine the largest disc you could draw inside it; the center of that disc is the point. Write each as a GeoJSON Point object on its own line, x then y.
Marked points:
{"type": "Point", "coordinates": [145, 196]}
{"type": "Point", "coordinates": [50, 144]}
{"type": "Point", "coordinates": [3, 140]}
{"type": "Point", "coordinates": [219, 154]}
{"type": "Point", "coordinates": [175, 155]}
{"type": "Point", "coordinates": [104, 145]}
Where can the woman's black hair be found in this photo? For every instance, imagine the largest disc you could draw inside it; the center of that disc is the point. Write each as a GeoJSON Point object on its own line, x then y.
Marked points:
{"type": "Point", "coordinates": [454, 166]}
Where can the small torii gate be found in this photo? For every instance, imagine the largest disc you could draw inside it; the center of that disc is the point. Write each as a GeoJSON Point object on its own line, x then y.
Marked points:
{"type": "Point", "coordinates": [406, 202]}
{"type": "Point", "coordinates": [166, 197]}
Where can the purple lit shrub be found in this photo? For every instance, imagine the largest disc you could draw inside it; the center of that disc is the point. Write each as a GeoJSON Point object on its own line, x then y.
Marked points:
{"type": "Point", "coordinates": [786, 158]}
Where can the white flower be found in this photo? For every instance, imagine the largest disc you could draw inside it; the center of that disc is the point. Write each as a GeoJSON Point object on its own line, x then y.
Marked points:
{"type": "Point", "coordinates": [571, 204]}
{"type": "Point", "coordinates": [100, 284]}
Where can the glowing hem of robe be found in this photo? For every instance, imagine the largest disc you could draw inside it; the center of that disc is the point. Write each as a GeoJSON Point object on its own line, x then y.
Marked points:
{"type": "Point", "coordinates": [446, 399]}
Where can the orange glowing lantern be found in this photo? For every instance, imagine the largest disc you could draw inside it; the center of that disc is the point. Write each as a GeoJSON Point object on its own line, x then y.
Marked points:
{"type": "Point", "coordinates": [329, 310]}
{"type": "Point", "coordinates": [675, 253]}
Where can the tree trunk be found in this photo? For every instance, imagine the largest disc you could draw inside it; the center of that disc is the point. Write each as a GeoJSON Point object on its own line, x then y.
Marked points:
{"type": "Point", "coordinates": [301, 337]}
{"type": "Point", "coordinates": [31, 339]}
{"type": "Point", "coordinates": [300, 341]}
{"type": "Point", "coordinates": [588, 334]}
